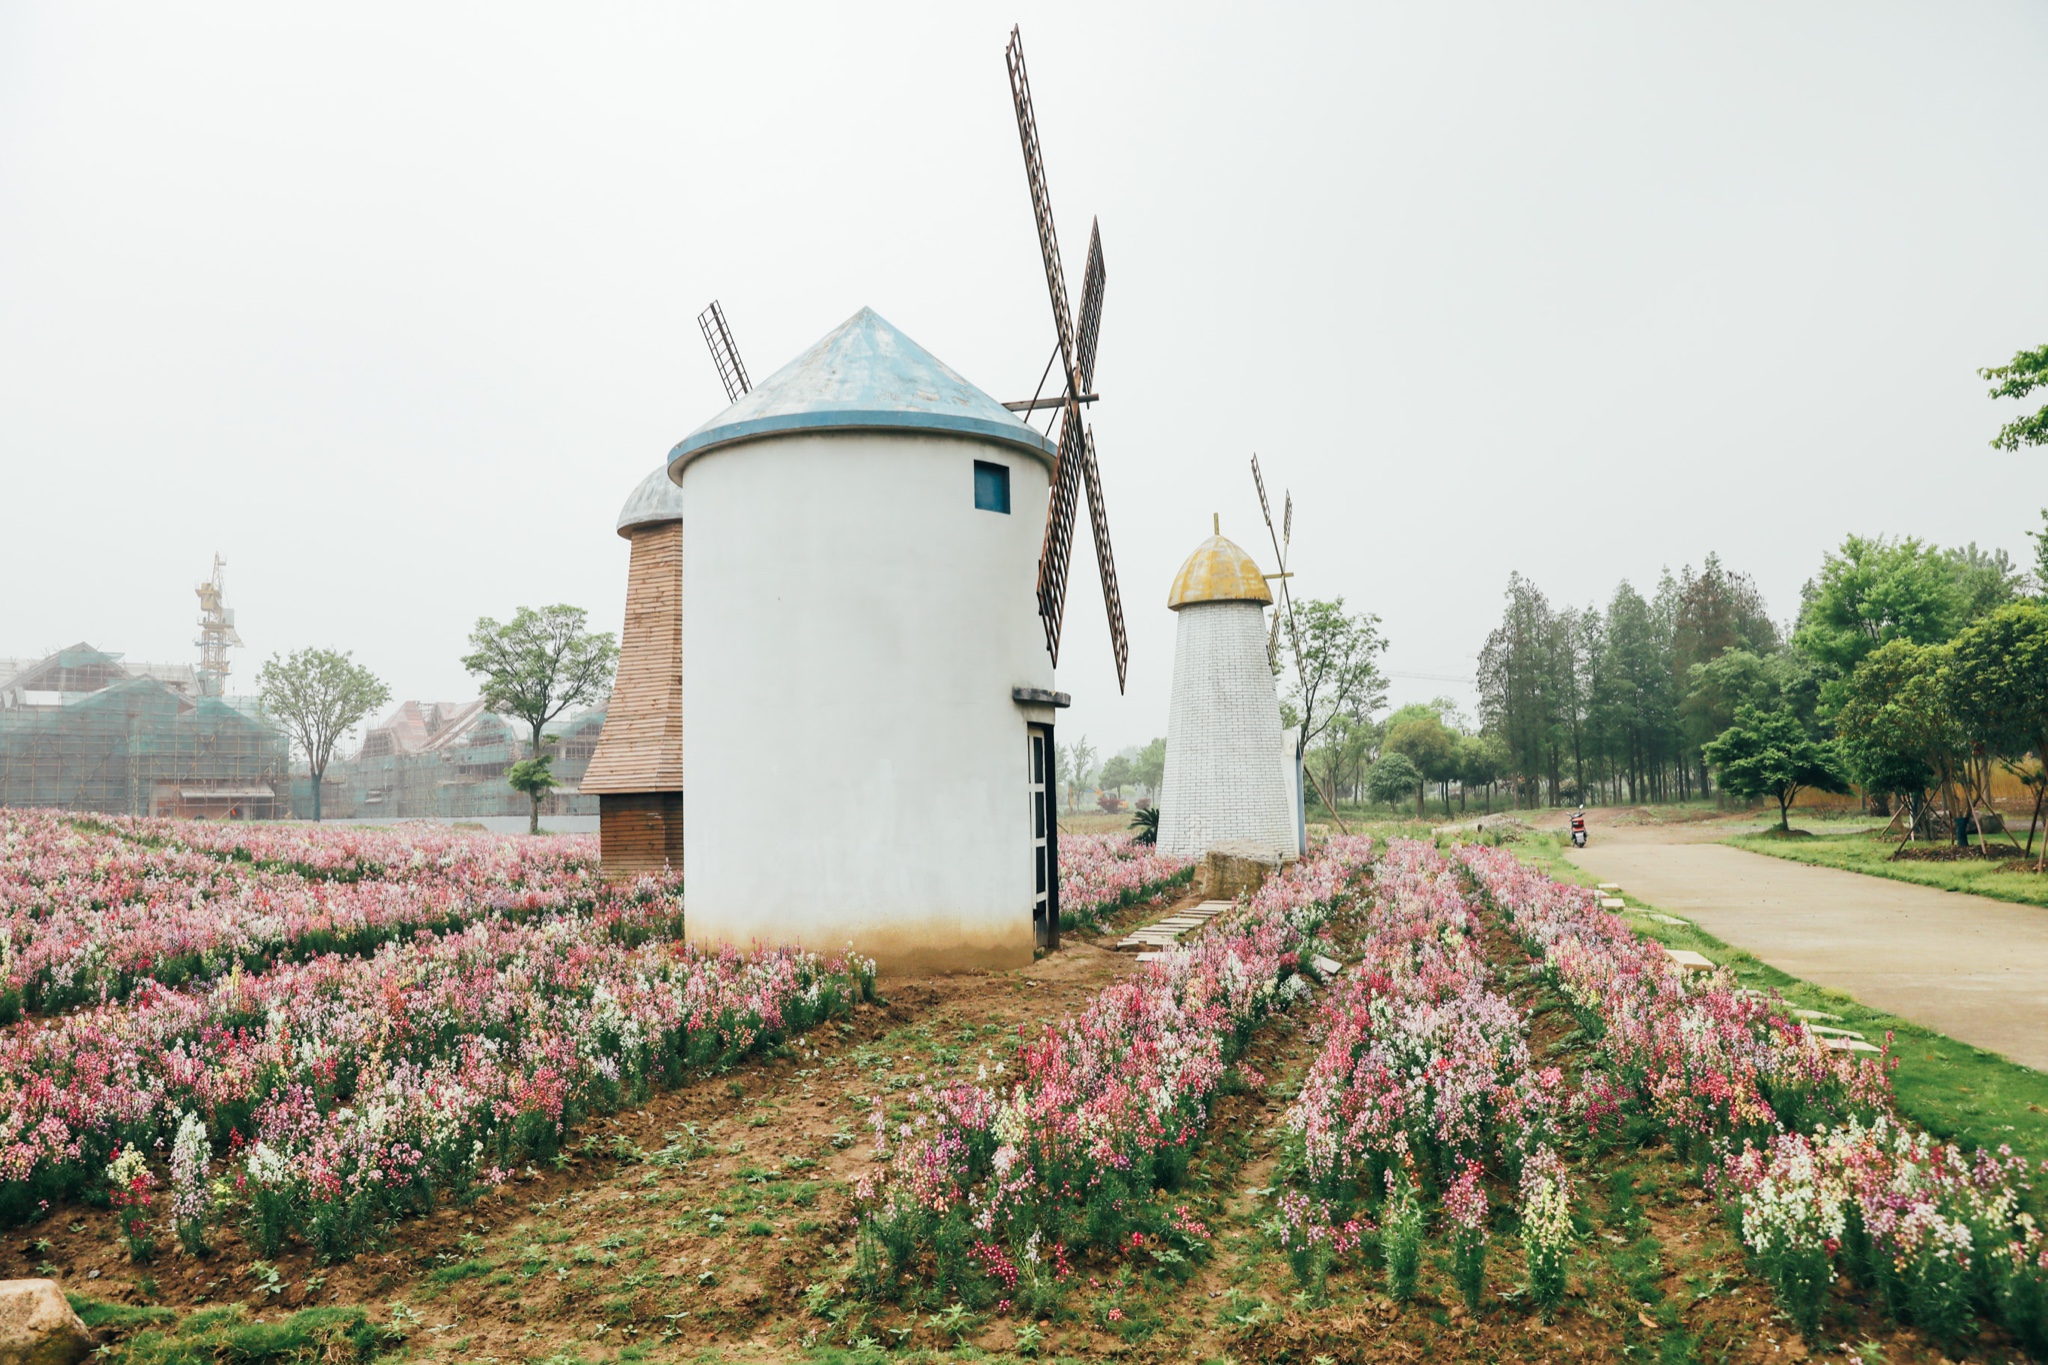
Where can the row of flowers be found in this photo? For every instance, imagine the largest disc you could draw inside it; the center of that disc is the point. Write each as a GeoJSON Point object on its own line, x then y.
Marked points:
{"type": "Point", "coordinates": [1423, 1080]}
{"type": "Point", "coordinates": [1101, 874]}
{"type": "Point", "coordinates": [87, 913]}
{"type": "Point", "coordinates": [347, 1089]}
{"type": "Point", "coordinates": [1820, 1174]}
{"type": "Point", "coordinates": [1001, 1183]}
{"type": "Point", "coordinates": [350, 852]}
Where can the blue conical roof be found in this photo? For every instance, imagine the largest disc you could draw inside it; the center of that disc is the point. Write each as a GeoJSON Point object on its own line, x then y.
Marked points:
{"type": "Point", "coordinates": [863, 374]}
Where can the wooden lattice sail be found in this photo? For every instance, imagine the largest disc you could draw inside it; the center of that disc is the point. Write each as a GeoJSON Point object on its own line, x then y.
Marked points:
{"type": "Point", "coordinates": [637, 771]}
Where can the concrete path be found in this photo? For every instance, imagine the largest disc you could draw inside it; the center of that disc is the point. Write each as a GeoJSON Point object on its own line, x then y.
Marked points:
{"type": "Point", "coordinates": [1968, 966]}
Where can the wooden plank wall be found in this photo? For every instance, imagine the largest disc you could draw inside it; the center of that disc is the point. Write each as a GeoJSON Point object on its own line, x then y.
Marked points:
{"type": "Point", "coordinates": [641, 749]}
{"type": "Point", "coordinates": [640, 832]}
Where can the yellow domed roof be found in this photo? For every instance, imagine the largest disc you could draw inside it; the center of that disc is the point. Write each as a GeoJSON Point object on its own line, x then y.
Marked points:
{"type": "Point", "coordinates": [1218, 572]}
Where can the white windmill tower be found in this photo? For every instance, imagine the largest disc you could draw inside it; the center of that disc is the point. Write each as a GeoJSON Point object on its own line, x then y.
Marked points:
{"type": "Point", "coordinates": [869, 694]}
{"type": "Point", "coordinates": [1225, 786]}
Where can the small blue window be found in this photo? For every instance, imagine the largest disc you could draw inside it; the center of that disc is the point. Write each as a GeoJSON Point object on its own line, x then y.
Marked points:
{"type": "Point", "coordinates": [992, 487]}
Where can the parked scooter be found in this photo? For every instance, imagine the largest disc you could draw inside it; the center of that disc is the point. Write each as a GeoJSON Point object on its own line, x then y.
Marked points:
{"type": "Point", "coordinates": [1578, 829]}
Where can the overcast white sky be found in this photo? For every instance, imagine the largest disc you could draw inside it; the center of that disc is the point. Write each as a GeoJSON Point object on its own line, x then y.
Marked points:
{"type": "Point", "coordinates": [393, 305]}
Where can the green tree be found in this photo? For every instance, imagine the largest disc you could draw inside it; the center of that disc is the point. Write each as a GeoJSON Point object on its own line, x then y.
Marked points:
{"type": "Point", "coordinates": [538, 665]}
{"type": "Point", "coordinates": [1714, 689]}
{"type": "Point", "coordinates": [1076, 765]}
{"type": "Point", "coordinates": [319, 695]}
{"type": "Point", "coordinates": [2027, 371]}
{"type": "Point", "coordinates": [1874, 591]}
{"type": "Point", "coordinates": [1480, 761]}
{"type": "Point", "coordinates": [1996, 680]}
{"type": "Point", "coordinates": [1148, 769]}
{"type": "Point", "coordinates": [1392, 779]}
{"type": "Point", "coordinates": [1633, 696]}
{"type": "Point", "coordinates": [1336, 673]}
{"type": "Point", "coordinates": [1893, 727]}
{"type": "Point", "coordinates": [1521, 687]}
{"type": "Point", "coordinates": [1769, 753]}
{"type": "Point", "coordinates": [1117, 773]}
{"type": "Point", "coordinates": [531, 779]}
{"type": "Point", "coordinates": [1432, 749]}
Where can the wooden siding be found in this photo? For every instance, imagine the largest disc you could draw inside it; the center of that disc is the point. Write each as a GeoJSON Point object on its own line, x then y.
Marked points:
{"type": "Point", "coordinates": [641, 749]}
{"type": "Point", "coordinates": [639, 832]}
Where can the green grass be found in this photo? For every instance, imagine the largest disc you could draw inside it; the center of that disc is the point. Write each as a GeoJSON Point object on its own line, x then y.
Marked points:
{"type": "Point", "coordinates": [1867, 854]}
{"type": "Point", "coordinates": [1957, 1092]}
{"type": "Point", "coordinates": [215, 1335]}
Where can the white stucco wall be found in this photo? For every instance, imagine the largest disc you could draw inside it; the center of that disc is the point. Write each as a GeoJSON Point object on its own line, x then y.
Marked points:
{"type": "Point", "coordinates": [1222, 783]}
{"type": "Point", "coordinates": [852, 629]}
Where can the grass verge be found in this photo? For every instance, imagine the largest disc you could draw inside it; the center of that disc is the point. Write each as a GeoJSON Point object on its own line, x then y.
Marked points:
{"type": "Point", "coordinates": [156, 1336]}
{"type": "Point", "coordinates": [1867, 854]}
{"type": "Point", "coordinates": [1957, 1092]}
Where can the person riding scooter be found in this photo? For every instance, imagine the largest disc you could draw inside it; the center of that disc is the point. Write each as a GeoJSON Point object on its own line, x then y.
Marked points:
{"type": "Point", "coordinates": [1578, 829]}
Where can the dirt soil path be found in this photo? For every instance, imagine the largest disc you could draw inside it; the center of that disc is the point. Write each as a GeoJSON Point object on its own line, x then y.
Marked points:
{"type": "Point", "coordinates": [1968, 966]}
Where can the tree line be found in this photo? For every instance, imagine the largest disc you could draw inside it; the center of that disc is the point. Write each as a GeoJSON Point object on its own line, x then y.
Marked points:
{"type": "Point", "coordinates": [1912, 671]}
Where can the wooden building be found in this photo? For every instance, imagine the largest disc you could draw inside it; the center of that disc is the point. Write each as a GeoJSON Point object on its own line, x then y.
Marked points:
{"type": "Point", "coordinates": [637, 772]}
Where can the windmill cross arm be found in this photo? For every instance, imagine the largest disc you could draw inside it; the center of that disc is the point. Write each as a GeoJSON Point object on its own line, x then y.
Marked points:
{"type": "Point", "coordinates": [1040, 404]}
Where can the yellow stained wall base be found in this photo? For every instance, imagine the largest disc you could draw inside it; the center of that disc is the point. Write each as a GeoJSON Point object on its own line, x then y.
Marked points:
{"type": "Point", "coordinates": [935, 947]}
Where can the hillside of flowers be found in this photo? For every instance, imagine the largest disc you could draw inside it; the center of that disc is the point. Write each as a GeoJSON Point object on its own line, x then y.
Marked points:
{"type": "Point", "coordinates": [330, 1027]}
{"type": "Point", "coordinates": [1821, 1177]}
{"type": "Point", "coordinates": [350, 1088]}
{"type": "Point", "coordinates": [1100, 874]}
{"type": "Point", "coordinates": [993, 1188]}
{"type": "Point", "coordinates": [90, 909]}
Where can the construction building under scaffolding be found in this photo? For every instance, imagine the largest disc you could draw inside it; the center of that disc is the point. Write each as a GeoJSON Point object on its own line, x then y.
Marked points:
{"type": "Point", "coordinates": [82, 729]}
{"type": "Point", "coordinates": [449, 760]}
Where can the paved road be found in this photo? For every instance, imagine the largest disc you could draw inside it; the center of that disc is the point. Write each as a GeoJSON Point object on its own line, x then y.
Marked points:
{"type": "Point", "coordinates": [1970, 967]}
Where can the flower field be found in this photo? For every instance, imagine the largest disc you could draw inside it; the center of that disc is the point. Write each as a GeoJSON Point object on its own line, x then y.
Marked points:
{"type": "Point", "coordinates": [1002, 1182]}
{"type": "Point", "coordinates": [1397, 1102]}
{"type": "Point", "coordinates": [87, 911]}
{"type": "Point", "coordinates": [1100, 874]}
{"type": "Point", "coordinates": [494, 991]}
{"type": "Point", "coordinates": [1822, 1178]}
{"type": "Point", "coordinates": [1423, 1078]}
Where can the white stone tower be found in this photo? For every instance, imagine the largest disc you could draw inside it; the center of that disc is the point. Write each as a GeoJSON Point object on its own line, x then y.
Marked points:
{"type": "Point", "coordinates": [1225, 781]}
{"type": "Point", "coordinates": [867, 686]}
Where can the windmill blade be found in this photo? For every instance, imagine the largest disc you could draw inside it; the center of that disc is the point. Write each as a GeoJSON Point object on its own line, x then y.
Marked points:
{"type": "Point", "coordinates": [1105, 561]}
{"type": "Point", "coordinates": [1056, 552]}
{"type": "Point", "coordinates": [1273, 642]}
{"type": "Point", "coordinates": [1091, 309]}
{"type": "Point", "coordinates": [731, 371]}
{"type": "Point", "coordinates": [1041, 203]}
{"type": "Point", "coordinates": [1287, 523]}
{"type": "Point", "coordinates": [1265, 508]}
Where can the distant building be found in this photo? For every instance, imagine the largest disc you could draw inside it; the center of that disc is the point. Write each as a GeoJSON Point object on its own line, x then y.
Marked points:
{"type": "Point", "coordinates": [81, 729]}
{"type": "Point", "coordinates": [449, 759]}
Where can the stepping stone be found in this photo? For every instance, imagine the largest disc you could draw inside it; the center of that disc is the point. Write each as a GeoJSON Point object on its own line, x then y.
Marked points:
{"type": "Point", "coordinates": [1824, 1031]}
{"type": "Point", "coordinates": [1848, 1045]}
{"type": "Point", "coordinates": [1685, 959]}
{"type": "Point", "coordinates": [1325, 967]}
{"type": "Point", "coordinates": [1608, 886]}
{"type": "Point", "coordinates": [1613, 903]}
{"type": "Point", "coordinates": [1166, 933]}
{"type": "Point", "coordinates": [1818, 1014]}
{"type": "Point", "coordinates": [1664, 919]}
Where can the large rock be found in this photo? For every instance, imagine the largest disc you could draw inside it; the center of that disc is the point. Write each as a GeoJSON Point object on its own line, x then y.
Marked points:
{"type": "Point", "coordinates": [1237, 868]}
{"type": "Point", "coordinates": [37, 1327]}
